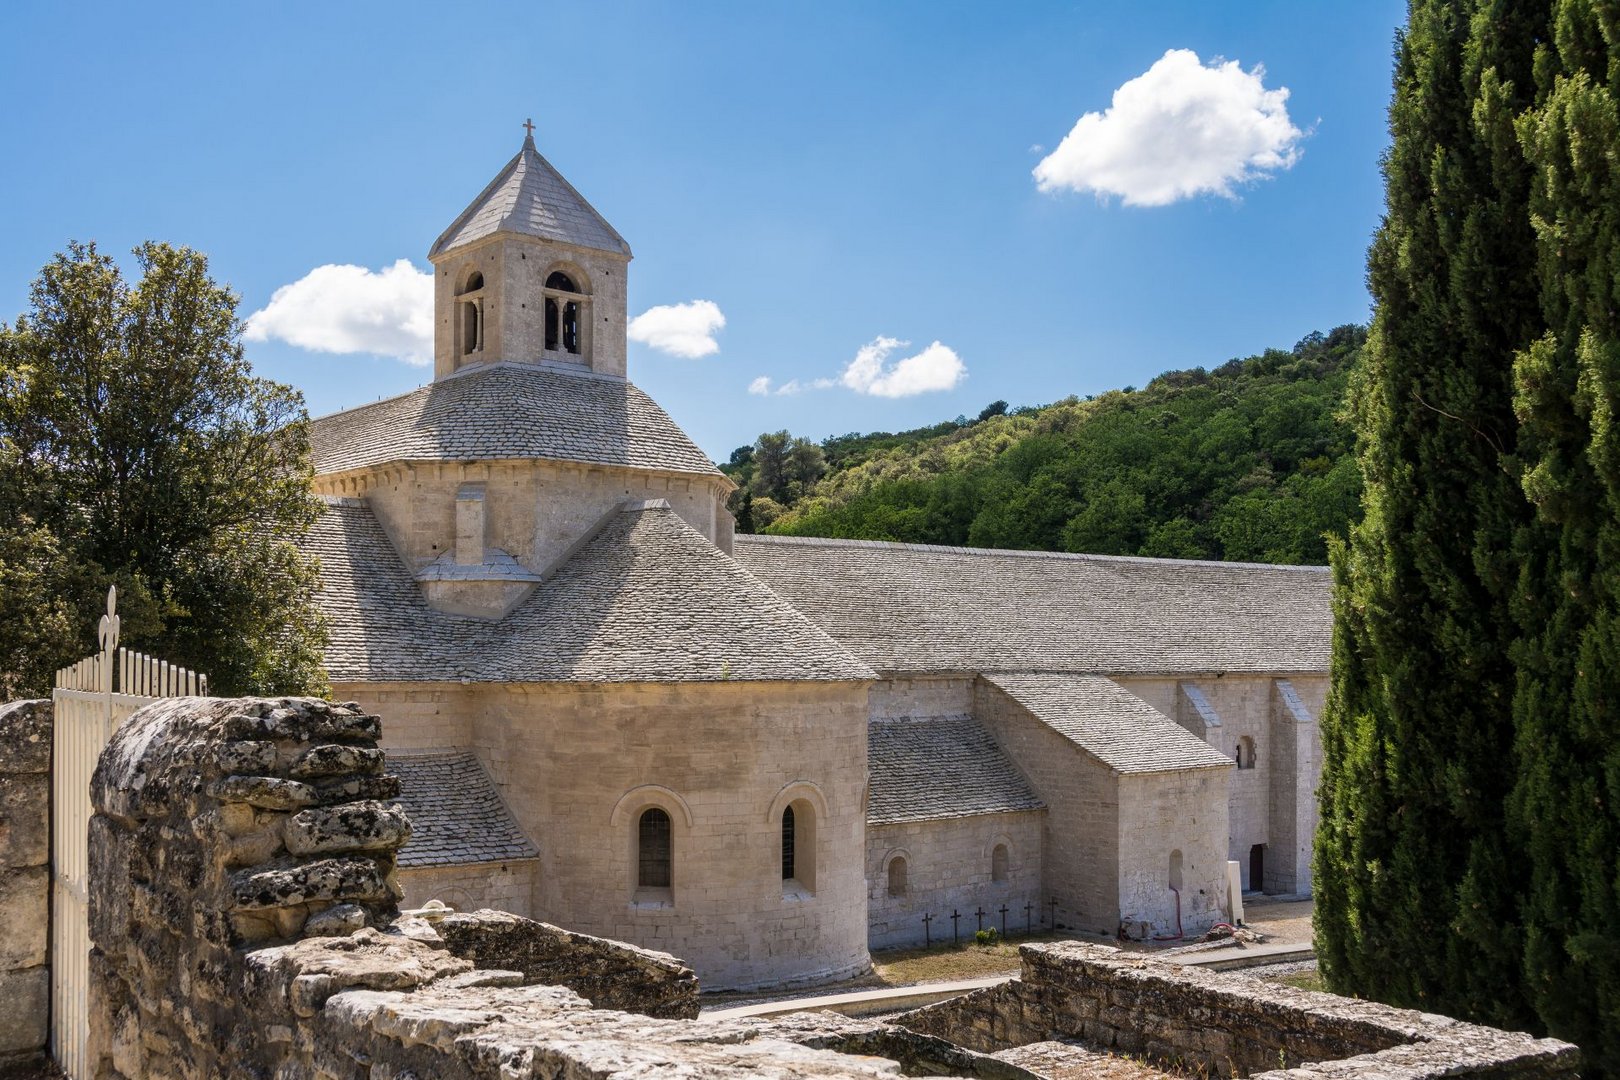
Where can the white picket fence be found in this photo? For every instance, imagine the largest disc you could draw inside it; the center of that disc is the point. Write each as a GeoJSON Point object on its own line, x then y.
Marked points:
{"type": "Point", "coordinates": [91, 699]}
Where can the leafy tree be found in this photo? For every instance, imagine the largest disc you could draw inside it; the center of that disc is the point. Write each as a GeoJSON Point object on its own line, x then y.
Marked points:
{"type": "Point", "coordinates": [144, 451]}
{"type": "Point", "coordinates": [1566, 806]}
{"type": "Point", "coordinates": [771, 464]}
{"type": "Point", "coordinates": [995, 408]}
{"type": "Point", "coordinates": [1415, 895]}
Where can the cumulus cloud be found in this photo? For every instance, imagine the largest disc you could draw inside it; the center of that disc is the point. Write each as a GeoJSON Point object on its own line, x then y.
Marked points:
{"type": "Point", "coordinates": [935, 368]}
{"type": "Point", "coordinates": [350, 309]}
{"type": "Point", "coordinates": [1183, 128]}
{"type": "Point", "coordinates": [685, 330]}
{"type": "Point", "coordinates": [760, 386]}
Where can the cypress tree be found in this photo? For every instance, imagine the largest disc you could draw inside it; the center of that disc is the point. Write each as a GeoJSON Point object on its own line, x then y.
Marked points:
{"type": "Point", "coordinates": [1415, 888]}
{"type": "Point", "coordinates": [1566, 808]}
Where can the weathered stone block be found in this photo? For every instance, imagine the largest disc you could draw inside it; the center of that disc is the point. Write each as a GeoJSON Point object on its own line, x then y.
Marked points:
{"type": "Point", "coordinates": [302, 883]}
{"type": "Point", "coordinates": [24, 1009]}
{"type": "Point", "coordinates": [24, 914]}
{"type": "Point", "coordinates": [25, 810]}
{"type": "Point", "coordinates": [349, 827]}
{"type": "Point", "coordinates": [248, 758]}
{"type": "Point", "coordinates": [336, 760]}
{"type": "Point", "coordinates": [350, 788]}
{"type": "Point", "coordinates": [301, 720]}
{"type": "Point", "coordinates": [339, 920]}
{"type": "Point", "coordinates": [266, 792]}
{"type": "Point", "coordinates": [25, 736]}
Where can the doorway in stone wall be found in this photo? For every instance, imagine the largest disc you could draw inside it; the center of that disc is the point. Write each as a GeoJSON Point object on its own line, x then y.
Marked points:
{"type": "Point", "coordinates": [1257, 868]}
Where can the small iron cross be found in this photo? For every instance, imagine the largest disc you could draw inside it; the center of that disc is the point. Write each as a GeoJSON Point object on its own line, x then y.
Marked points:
{"type": "Point", "coordinates": [528, 125]}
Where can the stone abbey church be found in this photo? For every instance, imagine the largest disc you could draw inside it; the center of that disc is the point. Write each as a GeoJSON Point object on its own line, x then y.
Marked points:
{"type": "Point", "coordinates": [768, 755]}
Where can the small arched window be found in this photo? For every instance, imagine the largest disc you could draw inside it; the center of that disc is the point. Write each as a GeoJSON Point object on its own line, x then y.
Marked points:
{"type": "Point", "coordinates": [1175, 870]}
{"type": "Point", "coordinates": [653, 849]}
{"type": "Point", "coordinates": [1245, 753]}
{"type": "Point", "coordinates": [475, 281]}
{"type": "Point", "coordinates": [897, 876]}
{"type": "Point", "coordinates": [565, 314]}
{"type": "Point", "coordinates": [798, 848]}
{"type": "Point", "coordinates": [998, 863]}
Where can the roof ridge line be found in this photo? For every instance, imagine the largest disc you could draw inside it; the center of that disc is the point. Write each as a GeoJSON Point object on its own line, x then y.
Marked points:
{"type": "Point", "coordinates": [1076, 556]}
{"type": "Point", "coordinates": [550, 366]}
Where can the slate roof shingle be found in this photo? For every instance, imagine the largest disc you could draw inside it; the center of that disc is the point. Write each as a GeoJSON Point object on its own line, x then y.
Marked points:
{"type": "Point", "coordinates": [646, 599]}
{"type": "Point", "coordinates": [456, 814]}
{"type": "Point", "coordinates": [498, 411]}
{"type": "Point", "coordinates": [913, 607]}
{"type": "Point", "coordinates": [940, 767]}
{"type": "Point", "coordinates": [1109, 722]}
{"type": "Point", "coordinates": [530, 197]}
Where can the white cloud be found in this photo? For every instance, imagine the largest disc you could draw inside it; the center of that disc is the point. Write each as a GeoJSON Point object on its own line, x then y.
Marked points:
{"type": "Point", "coordinates": [760, 386]}
{"type": "Point", "coordinates": [684, 330]}
{"type": "Point", "coordinates": [935, 368]}
{"type": "Point", "coordinates": [1183, 128]}
{"type": "Point", "coordinates": [350, 309]}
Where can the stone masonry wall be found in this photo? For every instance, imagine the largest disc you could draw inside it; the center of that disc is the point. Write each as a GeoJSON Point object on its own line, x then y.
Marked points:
{"type": "Point", "coordinates": [1226, 1025]}
{"type": "Point", "coordinates": [507, 886]}
{"type": "Point", "coordinates": [948, 868]}
{"type": "Point", "coordinates": [25, 849]}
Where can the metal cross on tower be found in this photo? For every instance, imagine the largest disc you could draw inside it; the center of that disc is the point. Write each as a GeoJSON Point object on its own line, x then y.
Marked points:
{"type": "Point", "coordinates": [528, 125]}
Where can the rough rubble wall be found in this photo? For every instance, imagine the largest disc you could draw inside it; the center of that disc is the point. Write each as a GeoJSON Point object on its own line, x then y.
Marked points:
{"type": "Point", "coordinates": [1226, 1025]}
{"type": "Point", "coordinates": [221, 822]}
{"type": "Point", "coordinates": [25, 848]}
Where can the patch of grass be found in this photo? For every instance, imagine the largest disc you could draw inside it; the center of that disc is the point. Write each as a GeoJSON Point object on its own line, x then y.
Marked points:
{"type": "Point", "coordinates": [1303, 980]}
{"type": "Point", "coordinates": [947, 963]}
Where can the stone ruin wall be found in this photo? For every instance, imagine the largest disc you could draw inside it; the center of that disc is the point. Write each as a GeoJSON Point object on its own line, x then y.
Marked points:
{"type": "Point", "coordinates": [25, 807]}
{"type": "Point", "coordinates": [1206, 1023]}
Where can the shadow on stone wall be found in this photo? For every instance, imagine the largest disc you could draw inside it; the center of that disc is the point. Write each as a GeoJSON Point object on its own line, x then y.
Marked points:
{"type": "Point", "coordinates": [25, 844]}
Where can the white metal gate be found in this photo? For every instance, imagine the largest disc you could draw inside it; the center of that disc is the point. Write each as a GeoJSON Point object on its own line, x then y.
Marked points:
{"type": "Point", "coordinates": [91, 699]}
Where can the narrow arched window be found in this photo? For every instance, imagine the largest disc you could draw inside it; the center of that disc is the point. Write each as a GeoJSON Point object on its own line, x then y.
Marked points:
{"type": "Point", "coordinates": [1245, 753]}
{"type": "Point", "coordinates": [1175, 870]}
{"type": "Point", "coordinates": [787, 844]}
{"type": "Point", "coordinates": [998, 863]}
{"type": "Point", "coordinates": [653, 849]}
{"type": "Point", "coordinates": [897, 876]}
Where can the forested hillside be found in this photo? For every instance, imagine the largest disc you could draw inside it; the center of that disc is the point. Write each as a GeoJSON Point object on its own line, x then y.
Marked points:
{"type": "Point", "coordinates": [1251, 461]}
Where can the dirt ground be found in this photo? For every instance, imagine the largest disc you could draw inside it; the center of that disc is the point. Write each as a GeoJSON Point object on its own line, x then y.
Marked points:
{"type": "Point", "coordinates": [1280, 920]}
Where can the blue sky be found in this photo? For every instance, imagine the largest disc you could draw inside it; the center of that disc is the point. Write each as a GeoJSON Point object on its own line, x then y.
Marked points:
{"type": "Point", "coordinates": [828, 175]}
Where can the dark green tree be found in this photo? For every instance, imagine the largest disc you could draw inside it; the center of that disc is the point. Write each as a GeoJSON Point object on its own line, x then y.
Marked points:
{"type": "Point", "coordinates": [1416, 900]}
{"type": "Point", "coordinates": [145, 452]}
{"type": "Point", "coordinates": [1566, 808]}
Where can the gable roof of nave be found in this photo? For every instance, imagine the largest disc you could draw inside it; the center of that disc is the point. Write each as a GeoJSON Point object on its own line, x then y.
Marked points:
{"type": "Point", "coordinates": [505, 411]}
{"type": "Point", "coordinates": [921, 608]}
{"type": "Point", "coordinates": [646, 599]}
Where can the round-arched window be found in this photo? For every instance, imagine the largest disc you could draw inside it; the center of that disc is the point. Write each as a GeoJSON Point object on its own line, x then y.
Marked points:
{"type": "Point", "coordinates": [653, 849]}
{"type": "Point", "coordinates": [897, 876]}
{"type": "Point", "coordinates": [559, 281]}
{"type": "Point", "coordinates": [998, 863]}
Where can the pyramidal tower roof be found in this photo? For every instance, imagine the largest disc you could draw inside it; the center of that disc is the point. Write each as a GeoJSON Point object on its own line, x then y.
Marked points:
{"type": "Point", "coordinates": [530, 198]}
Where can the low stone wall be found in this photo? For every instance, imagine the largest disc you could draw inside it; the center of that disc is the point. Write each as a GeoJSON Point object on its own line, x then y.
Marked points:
{"type": "Point", "coordinates": [608, 974]}
{"type": "Point", "coordinates": [25, 849]}
{"type": "Point", "coordinates": [1226, 1025]}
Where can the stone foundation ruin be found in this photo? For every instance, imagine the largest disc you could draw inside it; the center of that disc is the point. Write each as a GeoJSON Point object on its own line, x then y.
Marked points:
{"type": "Point", "coordinates": [245, 924]}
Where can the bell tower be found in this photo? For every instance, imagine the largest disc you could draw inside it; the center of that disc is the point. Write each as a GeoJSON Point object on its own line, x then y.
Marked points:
{"type": "Point", "coordinates": [529, 273]}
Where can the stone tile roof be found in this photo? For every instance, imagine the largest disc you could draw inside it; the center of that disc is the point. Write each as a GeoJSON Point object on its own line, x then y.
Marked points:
{"type": "Point", "coordinates": [530, 197]}
{"type": "Point", "coordinates": [510, 411]}
{"type": "Point", "coordinates": [645, 599]}
{"type": "Point", "coordinates": [1109, 722]}
{"type": "Point", "coordinates": [940, 767]}
{"type": "Point", "coordinates": [912, 607]}
{"type": "Point", "coordinates": [456, 814]}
